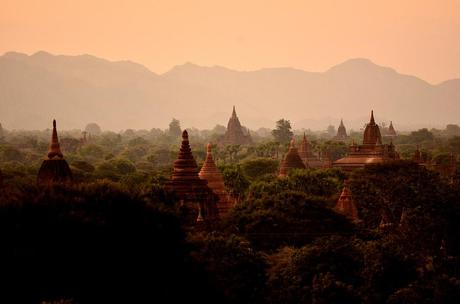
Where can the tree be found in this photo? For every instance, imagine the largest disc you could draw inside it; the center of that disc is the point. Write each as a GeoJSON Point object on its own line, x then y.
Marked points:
{"type": "Point", "coordinates": [283, 133]}
{"type": "Point", "coordinates": [174, 128]}
{"type": "Point", "coordinates": [93, 128]}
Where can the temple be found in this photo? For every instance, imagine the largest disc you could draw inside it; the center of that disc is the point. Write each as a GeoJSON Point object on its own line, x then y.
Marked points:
{"type": "Point", "coordinates": [215, 179]}
{"type": "Point", "coordinates": [235, 135]}
{"type": "Point", "coordinates": [391, 130]}
{"type": "Point", "coordinates": [291, 161]}
{"type": "Point", "coordinates": [341, 132]}
{"type": "Point", "coordinates": [197, 199]}
{"type": "Point", "coordinates": [346, 205]}
{"type": "Point", "coordinates": [54, 168]}
{"type": "Point", "coordinates": [310, 159]}
{"type": "Point", "coordinates": [372, 151]}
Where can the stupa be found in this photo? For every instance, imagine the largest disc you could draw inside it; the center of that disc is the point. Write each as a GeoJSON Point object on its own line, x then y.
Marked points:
{"type": "Point", "coordinates": [341, 132]}
{"type": "Point", "coordinates": [215, 179]}
{"type": "Point", "coordinates": [291, 161]}
{"type": "Point", "coordinates": [372, 151]}
{"type": "Point", "coordinates": [54, 168]}
{"type": "Point", "coordinates": [235, 134]}
{"type": "Point", "coordinates": [346, 205]}
{"type": "Point", "coordinates": [193, 192]}
{"type": "Point", "coordinates": [391, 130]}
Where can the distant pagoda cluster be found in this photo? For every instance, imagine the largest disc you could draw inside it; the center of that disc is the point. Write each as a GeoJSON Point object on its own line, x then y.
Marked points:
{"type": "Point", "coordinates": [235, 134]}
{"type": "Point", "coordinates": [202, 194]}
{"type": "Point", "coordinates": [371, 151]}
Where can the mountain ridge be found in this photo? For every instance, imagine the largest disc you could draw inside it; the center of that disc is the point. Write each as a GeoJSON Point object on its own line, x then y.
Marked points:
{"type": "Point", "coordinates": [125, 94]}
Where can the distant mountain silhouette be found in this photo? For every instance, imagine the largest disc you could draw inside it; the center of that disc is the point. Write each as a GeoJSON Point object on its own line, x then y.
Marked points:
{"type": "Point", "coordinates": [119, 95]}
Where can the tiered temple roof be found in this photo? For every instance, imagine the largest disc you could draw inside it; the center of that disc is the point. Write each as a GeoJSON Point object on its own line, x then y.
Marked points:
{"type": "Point", "coordinates": [215, 179]}
{"type": "Point", "coordinates": [188, 186]}
{"type": "Point", "coordinates": [372, 150]}
{"type": "Point", "coordinates": [235, 134]}
{"type": "Point", "coordinates": [54, 168]}
{"type": "Point", "coordinates": [291, 161]}
{"type": "Point", "coordinates": [341, 132]}
{"type": "Point", "coordinates": [346, 205]}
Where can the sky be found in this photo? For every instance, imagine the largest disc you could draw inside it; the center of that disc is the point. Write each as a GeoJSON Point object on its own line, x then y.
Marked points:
{"type": "Point", "coordinates": [416, 37]}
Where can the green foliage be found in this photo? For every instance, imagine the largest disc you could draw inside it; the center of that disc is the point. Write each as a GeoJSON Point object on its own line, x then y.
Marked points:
{"type": "Point", "coordinates": [235, 180]}
{"type": "Point", "coordinates": [174, 128]}
{"type": "Point", "coordinates": [233, 266]}
{"type": "Point", "coordinates": [93, 128]}
{"type": "Point", "coordinates": [283, 133]}
{"type": "Point", "coordinates": [286, 218]}
{"type": "Point", "coordinates": [258, 167]}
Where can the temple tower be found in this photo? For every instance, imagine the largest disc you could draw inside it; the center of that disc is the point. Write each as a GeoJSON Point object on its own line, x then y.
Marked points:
{"type": "Point", "coordinates": [341, 132]}
{"type": "Point", "coordinates": [193, 192]}
{"type": "Point", "coordinates": [291, 161]}
{"type": "Point", "coordinates": [215, 179]}
{"type": "Point", "coordinates": [235, 134]}
{"type": "Point", "coordinates": [391, 130]}
{"type": "Point", "coordinates": [372, 134]}
{"type": "Point", "coordinates": [54, 168]}
{"type": "Point", "coordinates": [346, 205]}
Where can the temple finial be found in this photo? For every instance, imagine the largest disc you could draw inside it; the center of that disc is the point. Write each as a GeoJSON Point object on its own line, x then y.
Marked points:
{"type": "Point", "coordinates": [372, 117]}
{"type": "Point", "coordinates": [209, 148]}
{"type": "Point", "coordinates": [54, 149]}
{"type": "Point", "coordinates": [185, 135]}
{"type": "Point", "coordinates": [234, 111]}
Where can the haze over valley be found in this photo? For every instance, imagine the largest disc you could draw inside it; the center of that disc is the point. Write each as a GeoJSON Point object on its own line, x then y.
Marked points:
{"type": "Point", "coordinates": [119, 95]}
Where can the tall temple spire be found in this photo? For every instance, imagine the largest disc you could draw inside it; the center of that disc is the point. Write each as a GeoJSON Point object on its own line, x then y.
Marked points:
{"type": "Point", "coordinates": [372, 134]}
{"type": "Point", "coordinates": [188, 186]}
{"type": "Point", "coordinates": [372, 118]}
{"type": "Point", "coordinates": [215, 179]}
{"type": "Point", "coordinates": [341, 132]}
{"type": "Point", "coordinates": [54, 168]}
{"type": "Point", "coordinates": [235, 134]}
{"type": "Point", "coordinates": [54, 148]}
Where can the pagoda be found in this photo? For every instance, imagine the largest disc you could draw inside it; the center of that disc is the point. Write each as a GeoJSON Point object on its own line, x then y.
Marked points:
{"type": "Point", "coordinates": [235, 134]}
{"type": "Point", "coordinates": [391, 130]}
{"type": "Point", "coordinates": [372, 151]}
{"type": "Point", "coordinates": [194, 194]}
{"type": "Point", "coordinates": [291, 161]}
{"type": "Point", "coordinates": [341, 132]}
{"type": "Point", "coordinates": [215, 179]}
{"type": "Point", "coordinates": [310, 159]}
{"type": "Point", "coordinates": [346, 205]}
{"type": "Point", "coordinates": [54, 168]}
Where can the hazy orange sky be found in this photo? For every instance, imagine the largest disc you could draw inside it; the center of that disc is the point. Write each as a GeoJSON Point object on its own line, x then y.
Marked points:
{"type": "Point", "coordinates": [416, 37]}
